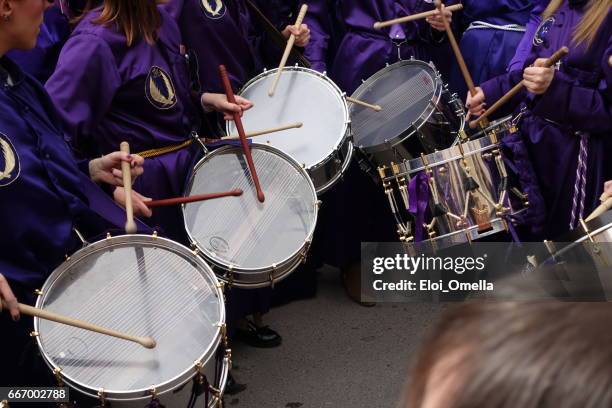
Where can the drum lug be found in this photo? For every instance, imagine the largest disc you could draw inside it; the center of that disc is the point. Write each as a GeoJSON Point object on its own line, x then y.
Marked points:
{"type": "Point", "coordinates": [108, 236]}
{"type": "Point", "coordinates": [304, 255]}
{"type": "Point", "coordinates": [318, 204]}
{"type": "Point", "coordinates": [57, 373]}
{"type": "Point", "coordinates": [153, 392]}
{"type": "Point", "coordinates": [102, 397]}
{"type": "Point", "coordinates": [38, 292]}
{"type": "Point", "coordinates": [154, 235]}
{"type": "Point", "coordinates": [34, 334]}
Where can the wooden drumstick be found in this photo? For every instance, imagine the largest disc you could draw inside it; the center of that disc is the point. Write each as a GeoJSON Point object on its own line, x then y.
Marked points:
{"type": "Point", "coordinates": [605, 206]}
{"type": "Point", "coordinates": [290, 42]}
{"type": "Point", "coordinates": [130, 225]}
{"type": "Point", "coordinates": [265, 131]}
{"type": "Point", "coordinates": [194, 198]}
{"type": "Point", "coordinates": [457, 51]}
{"type": "Point", "coordinates": [147, 342]}
{"type": "Point", "coordinates": [377, 108]}
{"type": "Point", "coordinates": [381, 24]}
{"type": "Point", "coordinates": [556, 57]}
{"type": "Point", "coordinates": [229, 92]}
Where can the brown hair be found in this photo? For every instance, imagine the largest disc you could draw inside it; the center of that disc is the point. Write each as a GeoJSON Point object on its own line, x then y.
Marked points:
{"type": "Point", "coordinates": [544, 354]}
{"type": "Point", "coordinates": [135, 18]}
{"type": "Point", "coordinates": [594, 15]}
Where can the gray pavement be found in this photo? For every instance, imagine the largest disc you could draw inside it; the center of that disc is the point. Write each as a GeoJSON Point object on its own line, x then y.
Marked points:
{"type": "Point", "coordinates": [334, 352]}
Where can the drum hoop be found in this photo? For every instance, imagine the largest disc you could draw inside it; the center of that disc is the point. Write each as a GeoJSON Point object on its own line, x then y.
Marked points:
{"type": "Point", "coordinates": [422, 118]}
{"type": "Point", "coordinates": [162, 388]}
{"type": "Point", "coordinates": [207, 255]}
{"type": "Point", "coordinates": [494, 125]}
{"type": "Point", "coordinates": [340, 142]}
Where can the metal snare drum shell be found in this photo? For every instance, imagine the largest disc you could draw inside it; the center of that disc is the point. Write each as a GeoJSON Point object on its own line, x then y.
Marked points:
{"type": "Point", "coordinates": [142, 285]}
{"type": "Point", "coordinates": [252, 244]}
{"type": "Point", "coordinates": [322, 145]}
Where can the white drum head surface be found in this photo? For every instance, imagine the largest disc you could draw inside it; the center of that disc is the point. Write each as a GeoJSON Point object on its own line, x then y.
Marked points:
{"type": "Point", "coordinates": [141, 289]}
{"type": "Point", "coordinates": [240, 231]}
{"type": "Point", "coordinates": [301, 96]}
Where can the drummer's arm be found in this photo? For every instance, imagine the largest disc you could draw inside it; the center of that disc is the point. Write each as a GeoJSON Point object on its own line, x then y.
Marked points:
{"type": "Point", "coordinates": [7, 296]}
{"type": "Point", "coordinates": [497, 87]}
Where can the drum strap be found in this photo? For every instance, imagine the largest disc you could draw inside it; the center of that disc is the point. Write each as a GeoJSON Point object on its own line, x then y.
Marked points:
{"type": "Point", "coordinates": [275, 35]}
{"type": "Point", "coordinates": [580, 183]}
{"type": "Point", "coordinates": [166, 149]}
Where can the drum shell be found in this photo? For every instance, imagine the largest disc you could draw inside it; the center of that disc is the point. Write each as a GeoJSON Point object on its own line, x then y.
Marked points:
{"type": "Point", "coordinates": [327, 171]}
{"type": "Point", "coordinates": [165, 391]}
{"type": "Point", "coordinates": [449, 178]}
{"type": "Point", "coordinates": [436, 128]}
{"type": "Point", "coordinates": [252, 278]}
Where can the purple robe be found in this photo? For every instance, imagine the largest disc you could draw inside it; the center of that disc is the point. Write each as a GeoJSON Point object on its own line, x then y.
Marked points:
{"type": "Point", "coordinates": [107, 92]}
{"type": "Point", "coordinates": [578, 102]}
{"type": "Point", "coordinates": [233, 37]}
{"type": "Point", "coordinates": [364, 50]}
{"type": "Point", "coordinates": [492, 30]}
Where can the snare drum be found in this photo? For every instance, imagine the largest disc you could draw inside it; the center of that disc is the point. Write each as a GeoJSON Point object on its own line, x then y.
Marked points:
{"type": "Point", "coordinates": [322, 145]}
{"type": "Point", "coordinates": [248, 243]}
{"type": "Point", "coordinates": [418, 113]}
{"type": "Point", "coordinates": [143, 286]}
{"type": "Point", "coordinates": [464, 192]}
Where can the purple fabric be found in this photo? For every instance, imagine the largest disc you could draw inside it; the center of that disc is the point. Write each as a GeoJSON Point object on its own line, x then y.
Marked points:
{"type": "Point", "coordinates": [578, 99]}
{"type": "Point", "coordinates": [107, 93]}
{"type": "Point", "coordinates": [524, 47]}
{"type": "Point", "coordinates": [40, 61]}
{"type": "Point", "coordinates": [233, 37]}
{"type": "Point", "coordinates": [487, 52]}
{"type": "Point", "coordinates": [418, 197]}
{"type": "Point", "coordinates": [45, 194]}
{"type": "Point", "coordinates": [365, 50]}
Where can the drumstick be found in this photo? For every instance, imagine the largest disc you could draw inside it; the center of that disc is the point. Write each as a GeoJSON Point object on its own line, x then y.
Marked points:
{"type": "Point", "coordinates": [245, 147]}
{"type": "Point", "coordinates": [147, 342]}
{"type": "Point", "coordinates": [199, 197]}
{"type": "Point", "coordinates": [298, 23]}
{"type": "Point", "coordinates": [605, 206]}
{"type": "Point", "coordinates": [381, 24]}
{"type": "Point", "coordinates": [130, 225]}
{"type": "Point", "coordinates": [377, 108]}
{"type": "Point", "coordinates": [561, 52]}
{"type": "Point", "coordinates": [265, 131]}
{"type": "Point", "coordinates": [457, 51]}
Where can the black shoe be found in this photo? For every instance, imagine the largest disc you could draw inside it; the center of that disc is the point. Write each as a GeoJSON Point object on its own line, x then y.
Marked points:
{"type": "Point", "coordinates": [232, 387]}
{"type": "Point", "coordinates": [262, 337]}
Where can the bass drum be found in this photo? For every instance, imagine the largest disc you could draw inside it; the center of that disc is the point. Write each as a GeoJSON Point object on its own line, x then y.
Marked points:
{"type": "Point", "coordinates": [143, 286]}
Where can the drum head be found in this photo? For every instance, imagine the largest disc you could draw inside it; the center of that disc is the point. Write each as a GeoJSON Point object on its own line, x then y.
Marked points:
{"type": "Point", "coordinates": [302, 95]}
{"type": "Point", "coordinates": [404, 90]}
{"type": "Point", "coordinates": [240, 231]}
{"type": "Point", "coordinates": [142, 286]}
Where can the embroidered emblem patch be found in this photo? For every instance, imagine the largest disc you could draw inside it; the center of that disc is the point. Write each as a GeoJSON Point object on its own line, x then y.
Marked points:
{"type": "Point", "coordinates": [541, 35]}
{"type": "Point", "coordinates": [9, 162]}
{"type": "Point", "coordinates": [159, 89]}
{"type": "Point", "coordinates": [215, 11]}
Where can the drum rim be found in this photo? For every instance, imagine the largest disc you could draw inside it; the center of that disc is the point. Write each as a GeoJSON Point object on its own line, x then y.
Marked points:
{"type": "Point", "coordinates": [228, 267]}
{"type": "Point", "coordinates": [493, 126]}
{"type": "Point", "coordinates": [153, 240]}
{"type": "Point", "coordinates": [435, 99]}
{"type": "Point", "coordinates": [342, 98]}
